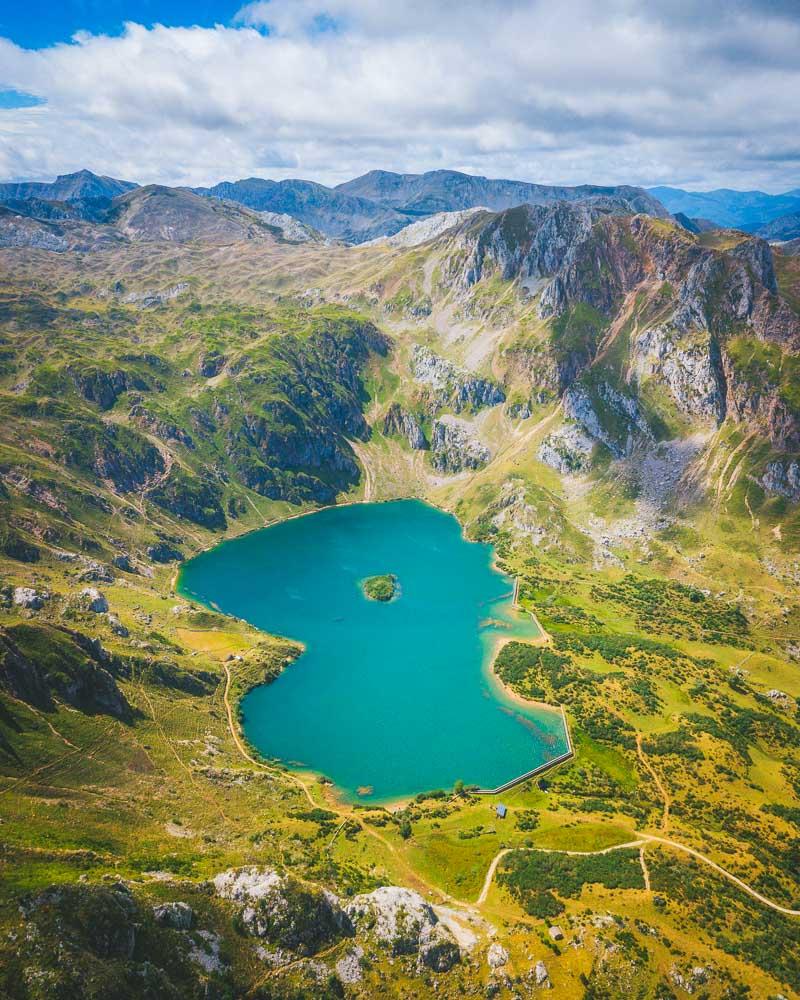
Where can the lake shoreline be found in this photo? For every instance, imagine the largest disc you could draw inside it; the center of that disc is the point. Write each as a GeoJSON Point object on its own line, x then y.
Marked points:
{"type": "Point", "coordinates": [498, 689]}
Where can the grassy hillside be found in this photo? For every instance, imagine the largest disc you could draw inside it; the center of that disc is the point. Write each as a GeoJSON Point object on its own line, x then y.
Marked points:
{"type": "Point", "coordinates": [155, 403]}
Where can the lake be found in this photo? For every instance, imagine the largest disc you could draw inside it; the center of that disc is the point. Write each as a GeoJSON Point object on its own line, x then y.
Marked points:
{"type": "Point", "coordinates": [388, 699]}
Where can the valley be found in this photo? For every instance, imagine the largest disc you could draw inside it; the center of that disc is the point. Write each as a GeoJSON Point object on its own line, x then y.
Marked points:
{"type": "Point", "coordinates": [604, 397]}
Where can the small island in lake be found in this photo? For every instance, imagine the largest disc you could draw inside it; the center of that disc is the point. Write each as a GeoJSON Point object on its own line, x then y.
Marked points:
{"type": "Point", "coordinates": [380, 588]}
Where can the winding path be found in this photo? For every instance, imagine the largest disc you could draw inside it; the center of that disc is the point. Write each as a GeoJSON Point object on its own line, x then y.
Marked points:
{"type": "Point", "coordinates": [487, 882]}
{"type": "Point", "coordinates": [787, 911]}
{"type": "Point", "coordinates": [641, 843]}
{"type": "Point", "coordinates": [344, 814]}
{"type": "Point", "coordinates": [657, 781]}
{"type": "Point", "coordinates": [642, 839]}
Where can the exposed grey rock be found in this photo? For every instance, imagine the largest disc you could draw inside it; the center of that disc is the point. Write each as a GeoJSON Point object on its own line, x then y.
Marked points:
{"type": "Point", "coordinates": [165, 430]}
{"type": "Point", "coordinates": [687, 364]}
{"type": "Point", "coordinates": [568, 450]}
{"type": "Point", "coordinates": [100, 386]}
{"type": "Point", "coordinates": [85, 678]}
{"type": "Point", "coordinates": [451, 386]}
{"type": "Point", "coordinates": [123, 562]}
{"type": "Point", "coordinates": [541, 975]}
{"type": "Point", "coordinates": [530, 242]}
{"type": "Point", "coordinates": [29, 597]}
{"type": "Point", "coordinates": [777, 696]}
{"type": "Point", "coordinates": [205, 951]}
{"type": "Point", "coordinates": [401, 422]}
{"type": "Point", "coordinates": [179, 916]}
{"type": "Point", "coordinates": [211, 364]}
{"type": "Point", "coordinates": [622, 423]}
{"type": "Point", "coordinates": [93, 600]}
{"type": "Point", "coordinates": [149, 298]}
{"type": "Point", "coordinates": [428, 229]}
{"type": "Point", "coordinates": [348, 968]}
{"type": "Point", "coordinates": [497, 956]}
{"type": "Point", "coordinates": [455, 446]}
{"type": "Point", "coordinates": [95, 572]}
{"type": "Point", "coordinates": [161, 214]}
{"type": "Point", "coordinates": [161, 552]}
{"type": "Point", "coordinates": [394, 916]}
{"type": "Point", "coordinates": [291, 229]}
{"type": "Point", "coordinates": [438, 949]}
{"type": "Point", "coordinates": [63, 556]}
{"type": "Point", "coordinates": [117, 627]}
{"type": "Point", "coordinates": [284, 911]}
{"type": "Point", "coordinates": [519, 411]}
{"type": "Point", "coordinates": [18, 231]}
{"type": "Point", "coordinates": [782, 477]}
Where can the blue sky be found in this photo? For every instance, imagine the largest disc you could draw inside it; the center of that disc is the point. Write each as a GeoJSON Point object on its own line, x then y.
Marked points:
{"type": "Point", "coordinates": [693, 93]}
{"type": "Point", "coordinates": [35, 24]}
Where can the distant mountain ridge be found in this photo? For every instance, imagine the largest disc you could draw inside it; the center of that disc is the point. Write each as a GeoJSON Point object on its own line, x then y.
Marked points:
{"type": "Point", "coordinates": [67, 187]}
{"type": "Point", "coordinates": [747, 210]}
{"type": "Point", "coordinates": [378, 204]}
{"type": "Point", "coordinates": [451, 191]}
{"type": "Point", "coordinates": [785, 227]}
{"type": "Point", "coordinates": [381, 203]}
{"type": "Point", "coordinates": [336, 214]}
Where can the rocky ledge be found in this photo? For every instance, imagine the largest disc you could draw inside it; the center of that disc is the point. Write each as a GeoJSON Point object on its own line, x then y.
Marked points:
{"type": "Point", "coordinates": [295, 918]}
{"type": "Point", "coordinates": [456, 447]}
{"type": "Point", "coordinates": [451, 387]}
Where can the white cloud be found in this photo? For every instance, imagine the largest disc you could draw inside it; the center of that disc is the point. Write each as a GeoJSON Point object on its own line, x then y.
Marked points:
{"type": "Point", "coordinates": [700, 95]}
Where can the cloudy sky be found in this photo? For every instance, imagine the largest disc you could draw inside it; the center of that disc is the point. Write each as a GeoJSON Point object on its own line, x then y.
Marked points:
{"type": "Point", "coordinates": [695, 94]}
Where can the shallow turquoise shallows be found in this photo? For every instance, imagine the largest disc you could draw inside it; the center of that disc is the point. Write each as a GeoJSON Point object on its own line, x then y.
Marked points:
{"type": "Point", "coordinates": [389, 699]}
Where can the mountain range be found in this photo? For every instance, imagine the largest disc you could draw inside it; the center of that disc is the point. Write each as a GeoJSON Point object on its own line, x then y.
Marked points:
{"type": "Point", "coordinates": [381, 203]}
{"type": "Point", "coordinates": [606, 394]}
{"type": "Point", "coordinates": [747, 210]}
{"type": "Point", "coordinates": [378, 204]}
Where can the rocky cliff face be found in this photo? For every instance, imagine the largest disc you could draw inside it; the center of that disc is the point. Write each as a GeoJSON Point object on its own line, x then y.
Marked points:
{"type": "Point", "coordinates": [39, 663]}
{"type": "Point", "coordinates": [649, 306]}
{"type": "Point", "coordinates": [405, 424]}
{"type": "Point", "coordinates": [298, 919]}
{"type": "Point", "coordinates": [286, 423]}
{"type": "Point", "coordinates": [450, 387]}
{"type": "Point", "coordinates": [455, 446]}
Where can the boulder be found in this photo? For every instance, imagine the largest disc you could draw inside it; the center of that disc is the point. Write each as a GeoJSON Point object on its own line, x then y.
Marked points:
{"type": "Point", "coordinates": [283, 910]}
{"type": "Point", "coordinates": [93, 600]}
{"type": "Point", "coordinates": [117, 627]}
{"type": "Point", "coordinates": [29, 597]}
{"type": "Point", "coordinates": [497, 956]}
{"type": "Point", "coordinates": [395, 916]}
{"type": "Point", "coordinates": [541, 975]}
{"type": "Point", "coordinates": [178, 916]}
{"type": "Point", "coordinates": [348, 968]}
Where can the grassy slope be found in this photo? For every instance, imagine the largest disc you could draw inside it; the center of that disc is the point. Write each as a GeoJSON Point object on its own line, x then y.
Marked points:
{"type": "Point", "coordinates": [172, 791]}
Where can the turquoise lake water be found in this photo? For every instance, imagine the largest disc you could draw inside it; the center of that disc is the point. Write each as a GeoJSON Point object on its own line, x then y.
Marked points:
{"type": "Point", "coordinates": [388, 698]}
